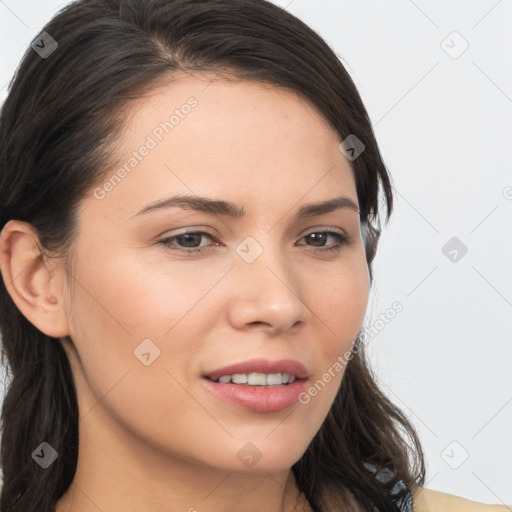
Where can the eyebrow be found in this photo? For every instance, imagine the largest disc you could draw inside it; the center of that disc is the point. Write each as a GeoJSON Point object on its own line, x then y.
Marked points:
{"type": "Point", "coordinates": [228, 209]}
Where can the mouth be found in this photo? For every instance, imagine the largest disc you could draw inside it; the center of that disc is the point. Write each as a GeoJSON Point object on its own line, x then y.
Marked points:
{"type": "Point", "coordinates": [260, 372]}
{"type": "Point", "coordinates": [259, 385]}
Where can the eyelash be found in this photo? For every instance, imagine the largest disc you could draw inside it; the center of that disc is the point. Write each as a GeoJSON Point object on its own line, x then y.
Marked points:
{"type": "Point", "coordinates": [166, 242]}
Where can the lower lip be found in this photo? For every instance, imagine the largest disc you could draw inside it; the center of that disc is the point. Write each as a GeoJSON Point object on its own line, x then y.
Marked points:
{"type": "Point", "coordinates": [258, 398]}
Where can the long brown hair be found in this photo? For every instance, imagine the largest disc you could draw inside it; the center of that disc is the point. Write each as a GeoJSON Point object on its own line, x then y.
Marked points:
{"type": "Point", "coordinates": [58, 123]}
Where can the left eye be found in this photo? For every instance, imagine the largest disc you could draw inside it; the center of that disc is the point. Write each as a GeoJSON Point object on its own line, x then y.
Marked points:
{"type": "Point", "coordinates": [192, 237]}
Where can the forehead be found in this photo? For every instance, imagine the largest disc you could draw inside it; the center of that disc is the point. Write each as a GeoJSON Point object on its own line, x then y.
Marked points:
{"type": "Point", "coordinates": [241, 139]}
{"type": "Point", "coordinates": [213, 108]}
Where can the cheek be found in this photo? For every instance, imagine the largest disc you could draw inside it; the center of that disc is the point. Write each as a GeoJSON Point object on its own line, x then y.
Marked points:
{"type": "Point", "coordinates": [339, 301]}
{"type": "Point", "coordinates": [340, 310]}
{"type": "Point", "coordinates": [139, 298]}
{"type": "Point", "coordinates": [115, 308]}
{"type": "Point", "coordinates": [122, 303]}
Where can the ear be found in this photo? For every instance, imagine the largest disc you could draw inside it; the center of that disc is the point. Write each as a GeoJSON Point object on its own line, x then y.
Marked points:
{"type": "Point", "coordinates": [28, 275]}
{"type": "Point", "coordinates": [370, 235]}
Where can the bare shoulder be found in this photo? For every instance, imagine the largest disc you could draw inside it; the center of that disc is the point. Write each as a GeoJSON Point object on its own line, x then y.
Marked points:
{"type": "Point", "coordinates": [428, 500]}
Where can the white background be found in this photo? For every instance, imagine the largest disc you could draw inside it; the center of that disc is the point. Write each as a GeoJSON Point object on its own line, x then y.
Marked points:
{"type": "Point", "coordinates": [443, 121]}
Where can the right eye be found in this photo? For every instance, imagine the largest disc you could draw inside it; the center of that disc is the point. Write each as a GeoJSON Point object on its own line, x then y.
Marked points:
{"type": "Point", "coordinates": [189, 237]}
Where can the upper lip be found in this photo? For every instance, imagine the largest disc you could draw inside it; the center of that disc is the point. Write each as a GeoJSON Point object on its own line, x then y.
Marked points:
{"type": "Point", "coordinates": [289, 366]}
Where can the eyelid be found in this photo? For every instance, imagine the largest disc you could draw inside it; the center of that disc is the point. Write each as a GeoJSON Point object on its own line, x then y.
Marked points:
{"type": "Point", "coordinates": [321, 229]}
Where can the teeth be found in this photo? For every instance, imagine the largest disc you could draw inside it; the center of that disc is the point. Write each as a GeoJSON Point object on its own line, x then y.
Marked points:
{"type": "Point", "coordinates": [258, 379]}
{"type": "Point", "coordinates": [239, 378]}
{"type": "Point", "coordinates": [274, 379]}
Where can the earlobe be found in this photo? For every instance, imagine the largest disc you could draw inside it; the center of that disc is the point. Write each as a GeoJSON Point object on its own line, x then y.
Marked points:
{"type": "Point", "coordinates": [27, 275]}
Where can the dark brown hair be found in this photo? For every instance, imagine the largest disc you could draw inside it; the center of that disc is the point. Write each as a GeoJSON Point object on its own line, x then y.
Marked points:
{"type": "Point", "coordinates": [58, 128]}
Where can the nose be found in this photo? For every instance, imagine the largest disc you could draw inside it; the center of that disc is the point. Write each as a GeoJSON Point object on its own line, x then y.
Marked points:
{"type": "Point", "coordinates": [267, 293]}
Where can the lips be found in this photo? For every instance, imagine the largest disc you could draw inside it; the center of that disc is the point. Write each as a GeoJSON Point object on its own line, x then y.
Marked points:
{"type": "Point", "coordinates": [288, 366]}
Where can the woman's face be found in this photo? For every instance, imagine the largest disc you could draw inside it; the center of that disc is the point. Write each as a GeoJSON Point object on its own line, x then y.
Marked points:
{"type": "Point", "coordinates": [149, 322]}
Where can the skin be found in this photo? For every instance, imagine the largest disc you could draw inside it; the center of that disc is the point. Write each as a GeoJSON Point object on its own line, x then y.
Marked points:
{"type": "Point", "coordinates": [152, 437]}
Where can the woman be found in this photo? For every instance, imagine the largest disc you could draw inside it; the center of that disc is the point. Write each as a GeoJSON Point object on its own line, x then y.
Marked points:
{"type": "Point", "coordinates": [156, 372]}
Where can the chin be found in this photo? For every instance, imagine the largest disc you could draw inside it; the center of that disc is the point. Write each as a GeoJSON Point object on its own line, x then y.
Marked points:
{"type": "Point", "coordinates": [267, 454]}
